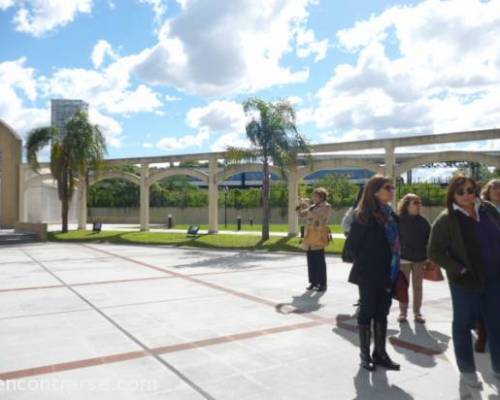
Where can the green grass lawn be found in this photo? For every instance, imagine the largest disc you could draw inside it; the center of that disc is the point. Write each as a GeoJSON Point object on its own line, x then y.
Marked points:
{"type": "Point", "coordinates": [255, 227]}
{"type": "Point", "coordinates": [219, 241]}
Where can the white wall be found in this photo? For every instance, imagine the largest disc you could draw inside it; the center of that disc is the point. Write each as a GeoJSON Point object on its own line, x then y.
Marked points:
{"type": "Point", "coordinates": [44, 206]}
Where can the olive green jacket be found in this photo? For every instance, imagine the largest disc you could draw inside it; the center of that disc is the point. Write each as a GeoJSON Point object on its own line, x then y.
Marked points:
{"type": "Point", "coordinates": [447, 248]}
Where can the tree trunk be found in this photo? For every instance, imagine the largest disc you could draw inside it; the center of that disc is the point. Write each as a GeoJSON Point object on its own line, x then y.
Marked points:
{"type": "Point", "coordinates": [65, 203]}
{"type": "Point", "coordinates": [266, 201]}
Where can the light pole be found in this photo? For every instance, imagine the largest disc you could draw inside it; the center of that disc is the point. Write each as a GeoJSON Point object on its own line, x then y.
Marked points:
{"type": "Point", "coordinates": [226, 190]}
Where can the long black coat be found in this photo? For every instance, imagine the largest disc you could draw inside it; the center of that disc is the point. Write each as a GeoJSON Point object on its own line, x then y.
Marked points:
{"type": "Point", "coordinates": [371, 253]}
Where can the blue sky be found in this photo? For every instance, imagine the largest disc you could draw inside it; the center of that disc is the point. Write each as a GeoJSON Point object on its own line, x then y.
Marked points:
{"type": "Point", "coordinates": [169, 76]}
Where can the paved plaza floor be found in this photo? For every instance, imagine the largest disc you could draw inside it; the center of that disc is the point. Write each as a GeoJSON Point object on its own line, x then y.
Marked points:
{"type": "Point", "coordinates": [98, 321]}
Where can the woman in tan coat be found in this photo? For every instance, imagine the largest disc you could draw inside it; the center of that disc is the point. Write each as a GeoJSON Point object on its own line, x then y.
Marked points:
{"type": "Point", "coordinates": [316, 237]}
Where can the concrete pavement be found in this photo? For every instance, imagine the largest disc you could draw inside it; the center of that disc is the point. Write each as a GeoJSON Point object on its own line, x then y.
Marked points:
{"type": "Point", "coordinates": [151, 322]}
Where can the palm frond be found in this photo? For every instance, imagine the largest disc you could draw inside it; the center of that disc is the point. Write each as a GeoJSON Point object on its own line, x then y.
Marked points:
{"type": "Point", "coordinates": [85, 143]}
{"type": "Point", "coordinates": [236, 155]}
{"type": "Point", "coordinates": [273, 129]}
{"type": "Point", "coordinates": [37, 139]}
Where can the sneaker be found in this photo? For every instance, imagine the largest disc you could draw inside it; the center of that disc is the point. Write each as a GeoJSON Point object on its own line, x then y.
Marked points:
{"type": "Point", "coordinates": [471, 379]}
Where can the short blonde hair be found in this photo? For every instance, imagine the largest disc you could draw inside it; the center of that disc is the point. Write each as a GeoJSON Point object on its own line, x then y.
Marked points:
{"type": "Point", "coordinates": [485, 192]}
{"type": "Point", "coordinates": [322, 192]}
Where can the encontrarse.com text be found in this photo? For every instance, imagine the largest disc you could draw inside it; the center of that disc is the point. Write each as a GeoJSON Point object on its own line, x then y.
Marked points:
{"type": "Point", "coordinates": [78, 385]}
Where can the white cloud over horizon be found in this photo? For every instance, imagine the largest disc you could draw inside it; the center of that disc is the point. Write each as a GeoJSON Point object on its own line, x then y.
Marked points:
{"type": "Point", "coordinates": [37, 17]}
{"type": "Point", "coordinates": [432, 67]}
{"type": "Point", "coordinates": [219, 48]}
{"type": "Point", "coordinates": [221, 123]}
{"type": "Point", "coordinates": [444, 75]}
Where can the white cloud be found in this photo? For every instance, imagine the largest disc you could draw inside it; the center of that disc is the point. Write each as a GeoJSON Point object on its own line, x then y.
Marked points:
{"type": "Point", "coordinates": [432, 67]}
{"type": "Point", "coordinates": [182, 3]}
{"type": "Point", "coordinates": [221, 122]}
{"type": "Point", "coordinates": [168, 98]}
{"type": "Point", "coordinates": [4, 4]}
{"type": "Point", "coordinates": [219, 48]}
{"type": "Point", "coordinates": [308, 45]}
{"type": "Point", "coordinates": [109, 89]}
{"type": "Point", "coordinates": [182, 142]}
{"type": "Point", "coordinates": [159, 8]}
{"type": "Point", "coordinates": [148, 145]}
{"type": "Point", "coordinates": [232, 139]}
{"type": "Point", "coordinates": [111, 129]}
{"type": "Point", "coordinates": [219, 116]}
{"type": "Point", "coordinates": [19, 87]}
{"type": "Point", "coordinates": [37, 17]}
{"type": "Point", "coordinates": [102, 49]}
{"type": "Point", "coordinates": [294, 100]}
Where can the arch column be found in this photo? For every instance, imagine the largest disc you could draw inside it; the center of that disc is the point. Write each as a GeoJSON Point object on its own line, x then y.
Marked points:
{"type": "Point", "coordinates": [213, 197]}
{"type": "Point", "coordinates": [23, 207]}
{"type": "Point", "coordinates": [82, 203]}
{"type": "Point", "coordinates": [390, 161]}
{"type": "Point", "coordinates": [144, 190]}
{"type": "Point", "coordinates": [293, 194]}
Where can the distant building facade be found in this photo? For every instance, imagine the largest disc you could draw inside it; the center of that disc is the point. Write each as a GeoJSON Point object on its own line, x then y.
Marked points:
{"type": "Point", "coordinates": [254, 179]}
{"type": "Point", "coordinates": [62, 110]}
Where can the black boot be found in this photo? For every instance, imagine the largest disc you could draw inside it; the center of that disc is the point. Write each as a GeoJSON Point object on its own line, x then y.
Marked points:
{"type": "Point", "coordinates": [364, 345]}
{"type": "Point", "coordinates": [380, 356]}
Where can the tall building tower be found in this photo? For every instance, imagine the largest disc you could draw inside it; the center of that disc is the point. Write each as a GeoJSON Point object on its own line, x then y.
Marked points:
{"type": "Point", "coordinates": [62, 111]}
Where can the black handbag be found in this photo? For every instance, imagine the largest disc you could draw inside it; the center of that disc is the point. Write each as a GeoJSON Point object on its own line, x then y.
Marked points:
{"type": "Point", "coordinates": [346, 254]}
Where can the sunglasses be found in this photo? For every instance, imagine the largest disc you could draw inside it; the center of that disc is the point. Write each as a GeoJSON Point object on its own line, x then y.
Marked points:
{"type": "Point", "coordinates": [462, 191]}
{"type": "Point", "coordinates": [389, 188]}
{"type": "Point", "coordinates": [416, 202]}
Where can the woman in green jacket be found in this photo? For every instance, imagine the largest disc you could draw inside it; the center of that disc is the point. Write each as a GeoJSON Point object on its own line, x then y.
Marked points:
{"type": "Point", "coordinates": [465, 241]}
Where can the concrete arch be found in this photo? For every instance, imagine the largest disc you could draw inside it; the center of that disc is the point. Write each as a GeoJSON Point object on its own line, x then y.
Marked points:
{"type": "Point", "coordinates": [339, 163]}
{"type": "Point", "coordinates": [482, 158]}
{"type": "Point", "coordinates": [240, 168]}
{"type": "Point", "coordinates": [127, 176]}
{"type": "Point", "coordinates": [177, 171]}
{"type": "Point", "coordinates": [37, 179]}
{"type": "Point", "coordinates": [5, 126]}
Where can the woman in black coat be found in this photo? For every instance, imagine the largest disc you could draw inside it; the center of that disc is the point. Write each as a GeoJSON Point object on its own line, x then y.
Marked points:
{"type": "Point", "coordinates": [374, 246]}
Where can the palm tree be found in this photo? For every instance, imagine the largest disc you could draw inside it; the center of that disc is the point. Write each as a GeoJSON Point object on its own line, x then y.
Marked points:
{"type": "Point", "coordinates": [272, 130]}
{"type": "Point", "coordinates": [73, 153]}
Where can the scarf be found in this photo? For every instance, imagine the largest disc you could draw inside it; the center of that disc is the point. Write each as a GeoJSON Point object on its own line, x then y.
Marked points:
{"type": "Point", "coordinates": [392, 233]}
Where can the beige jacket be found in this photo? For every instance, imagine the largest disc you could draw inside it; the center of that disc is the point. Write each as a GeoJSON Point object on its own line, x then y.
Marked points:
{"type": "Point", "coordinates": [315, 216]}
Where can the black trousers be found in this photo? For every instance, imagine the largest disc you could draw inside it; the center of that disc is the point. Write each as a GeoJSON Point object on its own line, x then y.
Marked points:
{"type": "Point", "coordinates": [375, 304]}
{"type": "Point", "coordinates": [316, 267]}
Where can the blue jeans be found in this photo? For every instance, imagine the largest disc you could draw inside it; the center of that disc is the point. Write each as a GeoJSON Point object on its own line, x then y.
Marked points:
{"type": "Point", "coordinates": [469, 306]}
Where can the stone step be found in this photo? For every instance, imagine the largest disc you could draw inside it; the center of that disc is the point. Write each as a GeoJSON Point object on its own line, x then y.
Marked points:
{"type": "Point", "coordinates": [16, 238]}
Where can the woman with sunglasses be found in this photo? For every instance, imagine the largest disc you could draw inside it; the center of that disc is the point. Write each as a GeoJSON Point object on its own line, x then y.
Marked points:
{"type": "Point", "coordinates": [491, 193]}
{"type": "Point", "coordinates": [465, 240]}
{"type": "Point", "coordinates": [374, 246]}
{"type": "Point", "coordinates": [414, 230]}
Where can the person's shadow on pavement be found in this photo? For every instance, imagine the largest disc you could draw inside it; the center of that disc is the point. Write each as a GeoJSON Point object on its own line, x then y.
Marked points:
{"type": "Point", "coordinates": [307, 302]}
{"type": "Point", "coordinates": [376, 385]}
{"type": "Point", "coordinates": [426, 344]}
